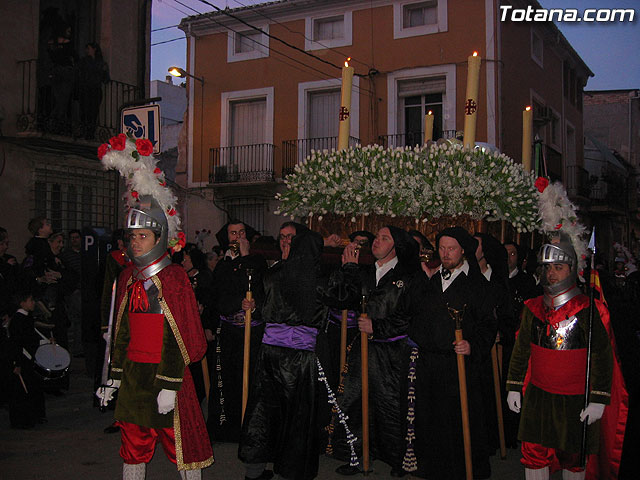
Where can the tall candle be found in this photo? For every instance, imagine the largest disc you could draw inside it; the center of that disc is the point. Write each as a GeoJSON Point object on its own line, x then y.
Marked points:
{"type": "Point", "coordinates": [471, 100]}
{"type": "Point", "coordinates": [345, 106]}
{"type": "Point", "coordinates": [428, 127]}
{"type": "Point", "coordinates": [527, 136]}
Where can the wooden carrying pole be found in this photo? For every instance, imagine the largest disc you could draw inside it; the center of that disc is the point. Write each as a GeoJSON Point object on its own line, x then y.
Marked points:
{"type": "Point", "coordinates": [205, 377]}
{"type": "Point", "coordinates": [343, 340]}
{"type": "Point", "coordinates": [245, 364]}
{"type": "Point", "coordinates": [364, 360]}
{"type": "Point", "coordinates": [498, 394]}
{"type": "Point", "coordinates": [464, 409]}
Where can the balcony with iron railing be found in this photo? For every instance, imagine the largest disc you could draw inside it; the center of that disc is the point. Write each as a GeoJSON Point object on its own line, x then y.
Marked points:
{"type": "Point", "coordinates": [295, 151]}
{"type": "Point", "coordinates": [50, 111]}
{"type": "Point", "coordinates": [410, 139]}
{"type": "Point", "coordinates": [241, 164]}
{"type": "Point", "coordinates": [576, 181]}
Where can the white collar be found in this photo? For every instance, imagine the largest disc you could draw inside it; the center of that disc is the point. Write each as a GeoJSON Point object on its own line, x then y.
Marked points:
{"type": "Point", "coordinates": [381, 270]}
{"type": "Point", "coordinates": [487, 273]}
{"type": "Point", "coordinates": [514, 272]}
{"type": "Point", "coordinates": [464, 268]}
{"type": "Point", "coordinates": [23, 312]}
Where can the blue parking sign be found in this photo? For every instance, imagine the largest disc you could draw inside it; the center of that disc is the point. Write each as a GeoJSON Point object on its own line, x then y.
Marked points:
{"type": "Point", "coordinates": [143, 122]}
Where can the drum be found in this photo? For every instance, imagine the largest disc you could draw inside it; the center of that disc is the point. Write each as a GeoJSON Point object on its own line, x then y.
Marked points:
{"type": "Point", "coordinates": [51, 361]}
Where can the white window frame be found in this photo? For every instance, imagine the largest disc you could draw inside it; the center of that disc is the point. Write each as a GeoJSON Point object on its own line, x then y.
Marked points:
{"type": "Point", "coordinates": [538, 60]}
{"type": "Point", "coordinates": [448, 98]}
{"type": "Point", "coordinates": [541, 132]}
{"type": "Point", "coordinates": [261, 52]}
{"type": "Point", "coordinates": [346, 40]}
{"type": "Point", "coordinates": [398, 20]}
{"type": "Point", "coordinates": [225, 118]}
{"type": "Point", "coordinates": [305, 88]}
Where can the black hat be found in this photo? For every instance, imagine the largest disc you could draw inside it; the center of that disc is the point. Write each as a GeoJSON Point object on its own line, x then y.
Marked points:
{"type": "Point", "coordinates": [407, 248]}
{"type": "Point", "coordinates": [466, 241]}
{"type": "Point", "coordinates": [223, 235]}
{"type": "Point", "coordinates": [362, 233]}
{"type": "Point", "coordinates": [424, 240]}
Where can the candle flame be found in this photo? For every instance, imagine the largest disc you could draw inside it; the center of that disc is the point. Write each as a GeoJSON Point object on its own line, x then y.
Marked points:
{"type": "Point", "coordinates": [430, 112]}
{"type": "Point", "coordinates": [528, 108]}
{"type": "Point", "coordinates": [346, 63]}
{"type": "Point", "coordinates": [475, 54]}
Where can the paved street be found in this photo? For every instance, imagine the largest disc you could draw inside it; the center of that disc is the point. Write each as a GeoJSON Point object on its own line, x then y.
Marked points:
{"type": "Point", "coordinates": [72, 446]}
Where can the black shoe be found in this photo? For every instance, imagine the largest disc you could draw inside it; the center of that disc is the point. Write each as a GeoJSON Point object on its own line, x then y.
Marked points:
{"type": "Point", "coordinates": [265, 475]}
{"type": "Point", "coordinates": [348, 470]}
{"type": "Point", "coordinates": [398, 472]}
{"type": "Point", "coordinates": [113, 428]}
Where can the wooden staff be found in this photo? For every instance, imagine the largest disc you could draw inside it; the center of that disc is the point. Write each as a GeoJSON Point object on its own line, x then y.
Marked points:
{"type": "Point", "coordinates": [498, 394]}
{"type": "Point", "coordinates": [205, 377]}
{"type": "Point", "coordinates": [247, 348]}
{"type": "Point", "coordinates": [23, 384]}
{"type": "Point", "coordinates": [343, 340]}
{"type": "Point", "coordinates": [464, 405]}
{"type": "Point", "coordinates": [364, 360]}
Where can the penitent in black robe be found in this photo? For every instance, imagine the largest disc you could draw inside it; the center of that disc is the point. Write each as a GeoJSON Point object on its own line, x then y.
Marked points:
{"type": "Point", "coordinates": [391, 305]}
{"type": "Point", "coordinates": [438, 425]}
{"type": "Point", "coordinates": [230, 285]}
{"type": "Point", "coordinates": [280, 423]}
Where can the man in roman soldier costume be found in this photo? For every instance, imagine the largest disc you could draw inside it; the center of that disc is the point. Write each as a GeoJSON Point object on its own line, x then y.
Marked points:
{"type": "Point", "coordinates": [157, 332]}
{"type": "Point", "coordinates": [551, 352]}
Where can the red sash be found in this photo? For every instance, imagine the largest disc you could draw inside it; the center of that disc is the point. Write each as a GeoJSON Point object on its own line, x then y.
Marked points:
{"type": "Point", "coordinates": [558, 371]}
{"type": "Point", "coordinates": [146, 331]}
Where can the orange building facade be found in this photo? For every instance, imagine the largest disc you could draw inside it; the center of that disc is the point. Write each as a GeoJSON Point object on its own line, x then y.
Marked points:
{"type": "Point", "coordinates": [261, 98]}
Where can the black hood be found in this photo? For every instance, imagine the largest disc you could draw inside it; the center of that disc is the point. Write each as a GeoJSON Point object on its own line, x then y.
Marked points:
{"type": "Point", "coordinates": [407, 249]}
{"type": "Point", "coordinates": [466, 241]}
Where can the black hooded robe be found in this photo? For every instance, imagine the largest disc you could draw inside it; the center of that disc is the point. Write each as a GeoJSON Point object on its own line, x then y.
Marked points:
{"type": "Point", "coordinates": [280, 420]}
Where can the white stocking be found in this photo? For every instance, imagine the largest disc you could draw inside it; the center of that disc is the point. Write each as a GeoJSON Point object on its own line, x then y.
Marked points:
{"type": "Point", "coordinates": [191, 474]}
{"type": "Point", "coordinates": [568, 475]}
{"type": "Point", "coordinates": [537, 474]}
{"type": "Point", "coordinates": [134, 471]}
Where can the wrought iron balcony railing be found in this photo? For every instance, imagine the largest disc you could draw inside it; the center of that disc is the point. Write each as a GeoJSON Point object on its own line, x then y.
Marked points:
{"type": "Point", "coordinates": [410, 139]}
{"type": "Point", "coordinates": [577, 181]}
{"type": "Point", "coordinates": [242, 163]}
{"type": "Point", "coordinates": [60, 110]}
{"type": "Point", "coordinates": [295, 151]}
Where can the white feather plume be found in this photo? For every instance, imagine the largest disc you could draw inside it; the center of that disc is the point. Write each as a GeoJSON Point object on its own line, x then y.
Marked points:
{"type": "Point", "coordinates": [142, 177]}
{"type": "Point", "coordinates": [558, 215]}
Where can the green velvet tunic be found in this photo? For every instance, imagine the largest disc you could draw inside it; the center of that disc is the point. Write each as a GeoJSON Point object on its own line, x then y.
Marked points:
{"type": "Point", "coordinates": [553, 420]}
{"type": "Point", "coordinates": [141, 382]}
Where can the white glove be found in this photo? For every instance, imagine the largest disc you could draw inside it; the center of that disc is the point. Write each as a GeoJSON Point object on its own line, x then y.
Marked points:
{"type": "Point", "coordinates": [513, 400]}
{"type": "Point", "coordinates": [594, 411]}
{"type": "Point", "coordinates": [166, 401]}
{"type": "Point", "coordinates": [105, 393]}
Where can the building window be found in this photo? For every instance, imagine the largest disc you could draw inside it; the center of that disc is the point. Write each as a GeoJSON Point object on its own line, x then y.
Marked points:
{"type": "Point", "coordinates": [555, 130]}
{"type": "Point", "coordinates": [248, 44]}
{"type": "Point", "coordinates": [91, 196]}
{"type": "Point", "coordinates": [411, 18]}
{"type": "Point", "coordinates": [537, 48]}
{"type": "Point", "coordinates": [328, 31]}
{"type": "Point", "coordinates": [328, 28]}
{"type": "Point", "coordinates": [249, 210]}
{"type": "Point", "coordinates": [413, 94]}
{"type": "Point", "coordinates": [419, 14]}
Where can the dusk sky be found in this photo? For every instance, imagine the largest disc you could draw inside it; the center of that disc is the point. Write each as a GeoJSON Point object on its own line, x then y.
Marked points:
{"type": "Point", "coordinates": [609, 49]}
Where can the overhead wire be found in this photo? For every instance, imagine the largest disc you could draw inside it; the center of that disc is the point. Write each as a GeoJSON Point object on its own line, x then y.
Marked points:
{"type": "Point", "coordinates": [256, 9]}
{"type": "Point", "coordinates": [274, 50]}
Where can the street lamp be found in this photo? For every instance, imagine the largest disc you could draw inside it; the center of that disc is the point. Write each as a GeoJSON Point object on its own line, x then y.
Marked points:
{"type": "Point", "coordinates": [181, 73]}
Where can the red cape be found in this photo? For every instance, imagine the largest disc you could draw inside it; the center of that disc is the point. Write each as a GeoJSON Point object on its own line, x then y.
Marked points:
{"type": "Point", "coordinates": [193, 447]}
{"type": "Point", "coordinates": [606, 464]}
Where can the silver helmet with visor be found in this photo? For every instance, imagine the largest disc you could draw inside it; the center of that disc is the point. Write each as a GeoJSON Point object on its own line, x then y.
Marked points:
{"type": "Point", "coordinates": [148, 214]}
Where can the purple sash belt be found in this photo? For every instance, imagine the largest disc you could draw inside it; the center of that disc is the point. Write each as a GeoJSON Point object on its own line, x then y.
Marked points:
{"type": "Point", "coordinates": [390, 339]}
{"type": "Point", "coordinates": [237, 319]}
{"type": "Point", "coordinates": [335, 316]}
{"type": "Point", "coordinates": [299, 337]}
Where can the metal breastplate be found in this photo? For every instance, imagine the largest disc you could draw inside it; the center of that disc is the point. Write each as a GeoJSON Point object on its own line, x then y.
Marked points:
{"type": "Point", "coordinates": [556, 301]}
{"type": "Point", "coordinates": [567, 336]}
{"type": "Point", "coordinates": [152, 296]}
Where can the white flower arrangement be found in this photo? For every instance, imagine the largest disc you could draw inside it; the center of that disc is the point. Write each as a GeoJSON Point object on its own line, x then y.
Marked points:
{"type": "Point", "coordinates": [421, 182]}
